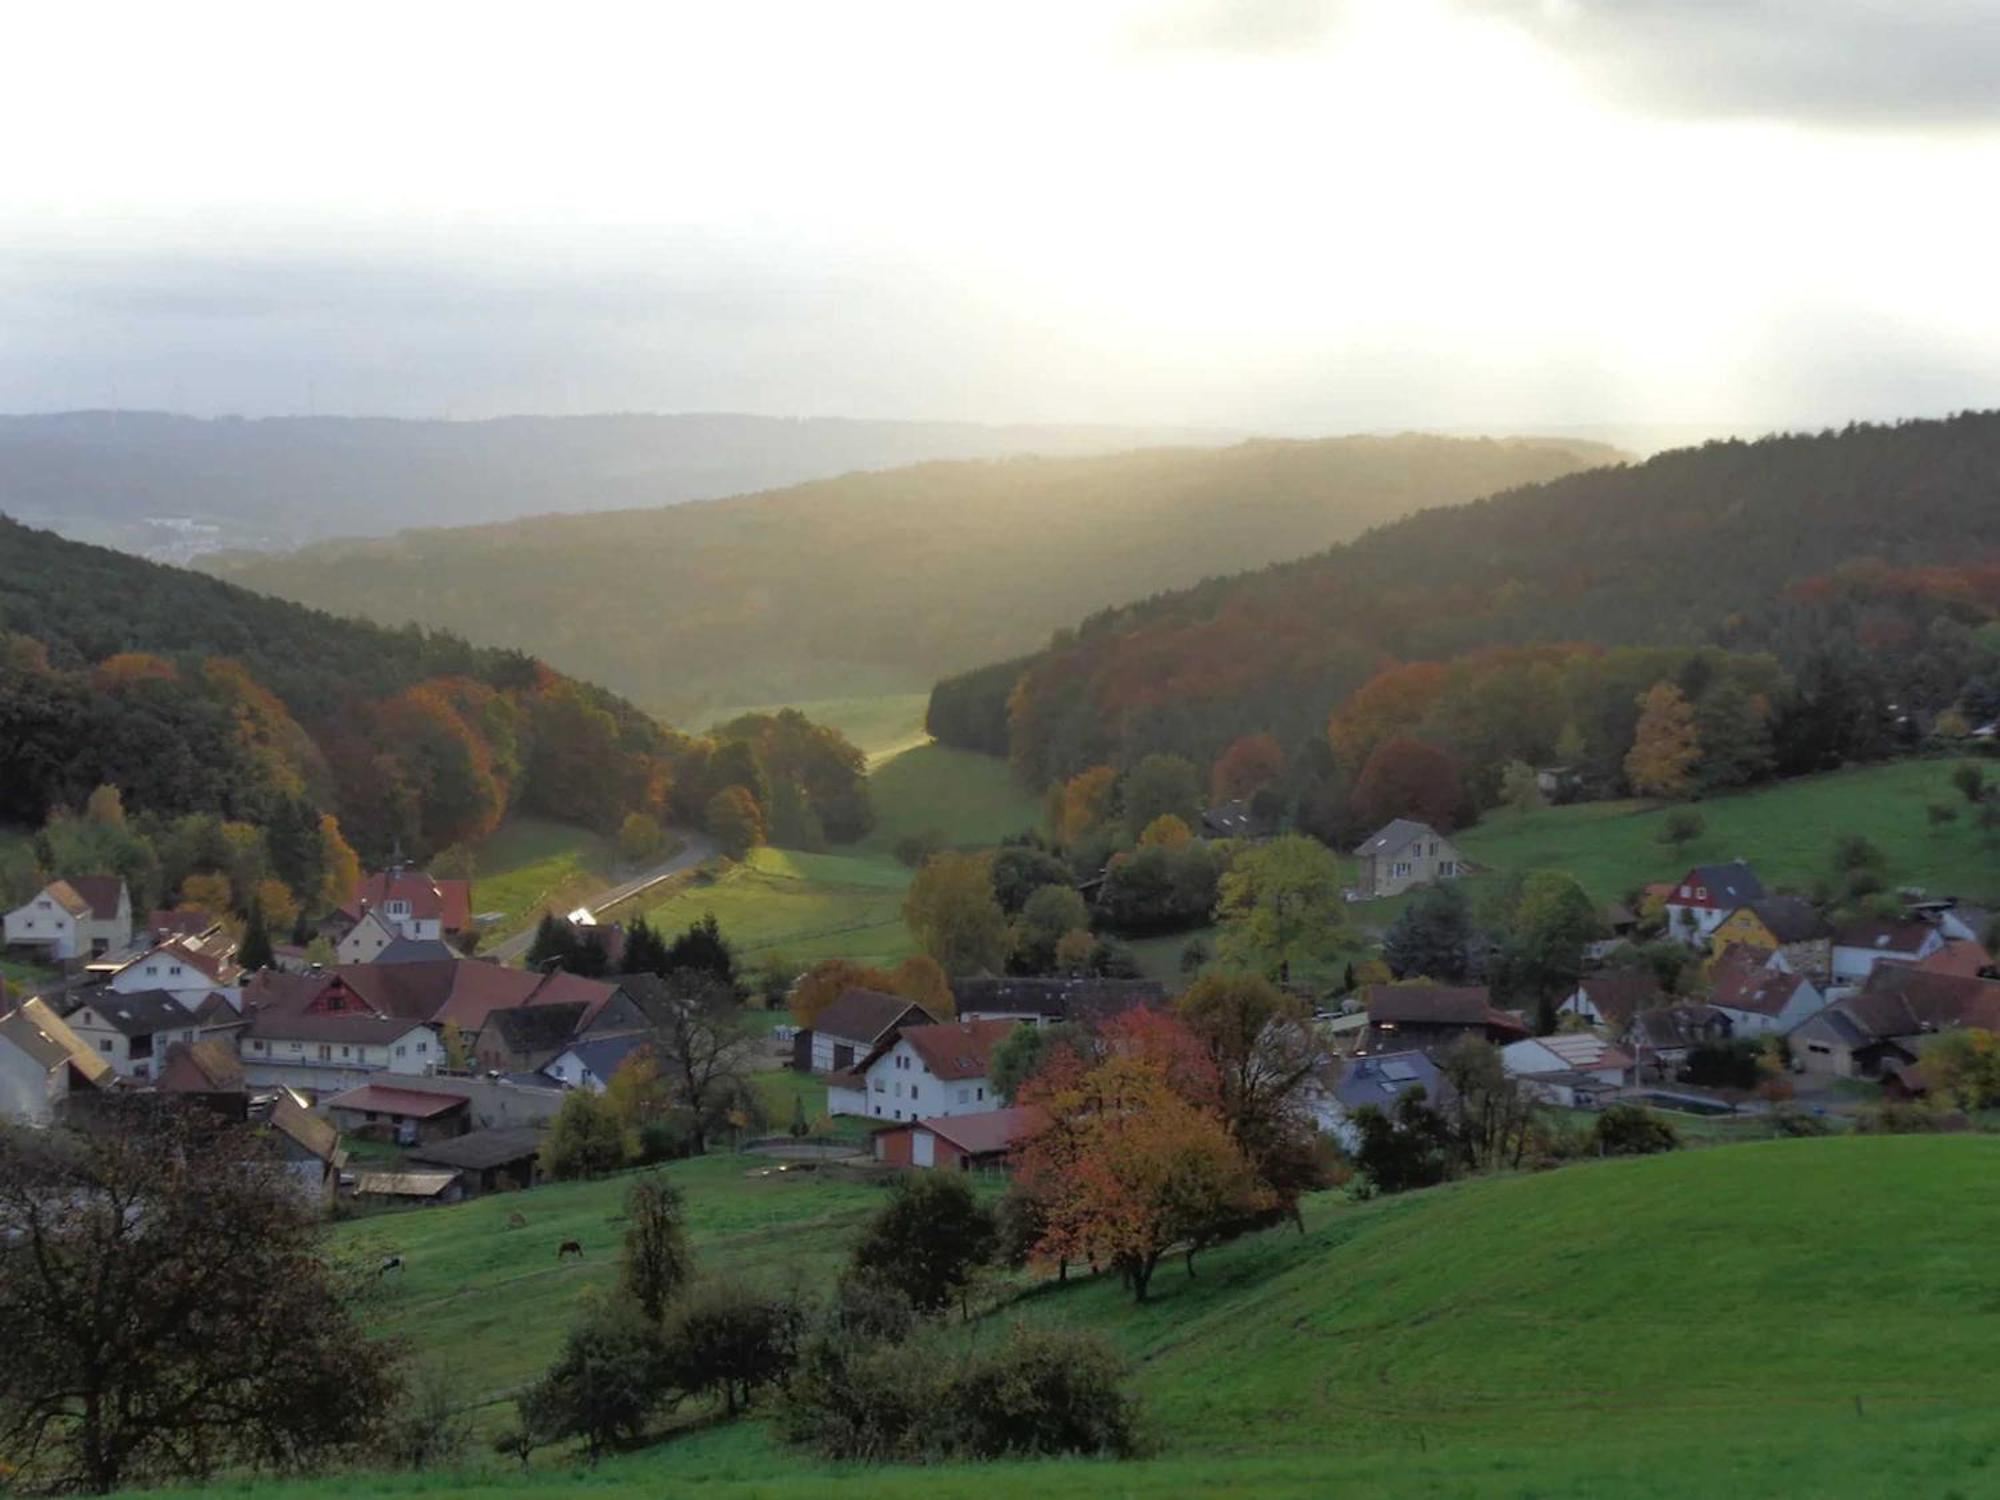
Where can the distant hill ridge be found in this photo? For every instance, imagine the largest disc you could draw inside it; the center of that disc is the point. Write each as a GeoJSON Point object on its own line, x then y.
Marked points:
{"type": "Point", "coordinates": [881, 581]}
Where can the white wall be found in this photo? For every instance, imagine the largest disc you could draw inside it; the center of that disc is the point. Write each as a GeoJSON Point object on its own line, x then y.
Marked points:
{"type": "Point", "coordinates": [45, 922]}
{"type": "Point", "coordinates": [28, 1091]}
{"type": "Point", "coordinates": [900, 1087]}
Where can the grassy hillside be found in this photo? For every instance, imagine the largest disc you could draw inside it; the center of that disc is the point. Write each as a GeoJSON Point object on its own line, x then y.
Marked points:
{"type": "Point", "coordinates": [881, 726]}
{"type": "Point", "coordinates": [801, 907]}
{"type": "Point", "coordinates": [972, 799]}
{"type": "Point", "coordinates": [1786, 831]}
{"type": "Point", "coordinates": [878, 582]}
{"type": "Point", "coordinates": [1787, 1318]}
{"type": "Point", "coordinates": [532, 864]}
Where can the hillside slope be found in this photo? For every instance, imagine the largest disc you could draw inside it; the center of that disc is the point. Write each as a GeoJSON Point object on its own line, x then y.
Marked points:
{"type": "Point", "coordinates": [1869, 541]}
{"type": "Point", "coordinates": [170, 486]}
{"type": "Point", "coordinates": [879, 582]}
{"type": "Point", "coordinates": [1788, 1318]}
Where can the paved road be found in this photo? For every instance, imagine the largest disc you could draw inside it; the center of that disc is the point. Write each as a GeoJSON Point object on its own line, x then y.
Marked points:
{"type": "Point", "coordinates": [695, 848]}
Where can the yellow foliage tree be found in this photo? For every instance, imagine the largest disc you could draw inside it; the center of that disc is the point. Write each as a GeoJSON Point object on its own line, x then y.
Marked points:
{"type": "Point", "coordinates": [341, 865]}
{"type": "Point", "coordinates": [922, 980]}
{"type": "Point", "coordinates": [1166, 832]}
{"type": "Point", "coordinates": [208, 893]}
{"type": "Point", "coordinates": [1085, 803]}
{"type": "Point", "coordinates": [1665, 747]}
{"type": "Point", "coordinates": [279, 905]}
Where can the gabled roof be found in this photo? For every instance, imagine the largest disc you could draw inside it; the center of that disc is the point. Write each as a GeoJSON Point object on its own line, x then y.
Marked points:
{"type": "Point", "coordinates": [537, 1028]}
{"type": "Point", "coordinates": [1081, 999]}
{"type": "Point", "coordinates": [208, 1067]}
{"type": "Point", "coordinates": [989, 1132]}
{"type": "Point", "coordinates": [952, 1050]}
{"type": "Point", "coordinates": [480, 1149]}
{"type": "Point", "coordinates": [387, 1099]}
{"type": "Point", "coordinates": [186, 921]}
{"type": "Point", "coordinates": [604, 1055]}
{"type": "Point", "coordinates": [404, 950]}
{"type": "Point", "coordinates": [1394, 836]}
{"type": "Point", "coordinates": [343, 1026]}
{"type": "Point", "coordinates": [404, 1184]}
{"type": "Point", "coordinates": [1885, 934]}
{"type": "Point", "coordinates": [1620, 994]}
{"type": "Point", "coordinates": [1965, 959]}
{"type": "Point", "coordinates": [1582, 1051]}
{"type": "Point", "coordinates": [1676, 1026]}
{"type": "Point", "coordinates": [101, 893]}
{"type": "Point", "coordinates": [66, 895]}
{"type": "Point", "coordinates": [1902, 999]}
{"type": "Point", "coordinates": [1790, 919]}
{"type": "Point", "coordinates": [1732, 885]}
{"type": "Point", "coordinates": [313, 1133]}
{"type": "Point", "coordinates": [864, 1015]}
{"type": "Point", "coordinates": [1742, 985]}
{"type": "Point", "coordinates": [1381, 1078]}
{"type": "Point", "coordinates": [139, 1014]}
{"type": "Point", "coordinates": [1436, 1005]}
{"type": "Point", "coordinates": [46, 1037]}
{"type": "Point", "coordinates": [447, 902]}
{"type": "Point", "coordinates": [192, 953]}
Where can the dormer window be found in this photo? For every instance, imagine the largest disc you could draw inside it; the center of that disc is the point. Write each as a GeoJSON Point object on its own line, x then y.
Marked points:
{"type": "Point", "coordinates": [399, 908]}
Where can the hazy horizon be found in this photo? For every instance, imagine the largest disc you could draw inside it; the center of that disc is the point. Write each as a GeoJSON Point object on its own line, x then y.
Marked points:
{"type": "Point", "coordinates": [1302, 217]}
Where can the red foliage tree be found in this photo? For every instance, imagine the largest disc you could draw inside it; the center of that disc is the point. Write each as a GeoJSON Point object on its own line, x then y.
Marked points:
{"type": "Point", "coordinates": [1405, 778]}
{"type": "Point", "coordinates": [1249, 765]}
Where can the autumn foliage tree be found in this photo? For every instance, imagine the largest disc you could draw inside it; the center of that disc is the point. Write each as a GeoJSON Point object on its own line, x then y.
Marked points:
{"type": "Point", "coordinates": [1389, 705]}
{"type": "Point", "coordinates": [1665, 747]}
{"type": "Point", "coordinates": [1406, 778]}
{"type": "Point", "coordinates": [1082, 803]}
{"type": "Point", "coordinates": [1250, 764]}
{"type": "Point", "coordinates": [954, 915]}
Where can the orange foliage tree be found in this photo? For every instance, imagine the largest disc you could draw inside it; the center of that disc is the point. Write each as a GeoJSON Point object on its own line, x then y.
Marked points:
{"type": "Point", "coordinates": [1084, 802]}
{"type": "Point", "coordinates": [1406, 778]}
{"type": "Point", "coordinates": [1249, 765]}
{"type": "Point", "coordinates": [1388, 705]}
{"type": "Point", "coordinates": [1664, 748]}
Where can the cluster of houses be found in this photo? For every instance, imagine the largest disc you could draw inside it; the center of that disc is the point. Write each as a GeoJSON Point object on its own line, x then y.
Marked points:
{"type": "Point", "coordinates": [456, 1061]}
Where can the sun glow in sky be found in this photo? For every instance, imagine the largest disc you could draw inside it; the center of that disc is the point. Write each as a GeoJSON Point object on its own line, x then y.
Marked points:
{"type": "Point", "coordinates": [1297, 214]}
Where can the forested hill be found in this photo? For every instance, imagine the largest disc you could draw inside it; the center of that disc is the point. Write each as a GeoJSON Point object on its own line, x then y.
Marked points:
{"type": "Point", "coordinates": [194, 695]}
{"type": "Point", "coordinates": [168, 486]}
{"type": "Point", "coordinates": [882, 581]}
{"type": "Point", "coordinates": [1873, 548]}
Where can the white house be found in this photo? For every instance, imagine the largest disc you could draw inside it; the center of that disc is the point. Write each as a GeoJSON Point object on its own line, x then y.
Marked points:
{"type": "Point", "coordinates": [1860, 946]}
{"type": "Point", "coordinates": [924, 1072]}
{"type": "Point", "coordinates": [1568, 1052]}
{"type": "Point", "coordinates": [132, 1031]}
{"type": "Point", "coordinates": [412, 903]}
{"type": "Point", "coordinates": [1344, 1085]}
{"type": "Point", "coordinates": [848, 1029]}
{"type": "Point", "coordinates": [41, 1062]}
{"type": "Point", "coordinates": [1762, 999]}
{"type": "Point", "coordinates": [1703, 899]}
{"type": "Point", "coordinates": [365, 940]}
{"type": "Point", "coordinates": [590, 1064]}
{"type": "Point", "coordinates": [185, 968]}
{"type": "Point", "coordinates": [81, 917]}
{"type": "Point", "coordinates": [327, 1053]}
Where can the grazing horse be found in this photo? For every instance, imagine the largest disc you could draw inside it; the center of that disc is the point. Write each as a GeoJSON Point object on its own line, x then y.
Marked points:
{"type": "Point", "coordinates": [569, 1247]}
{"type": "Point", "coordinates": [389, 1263]}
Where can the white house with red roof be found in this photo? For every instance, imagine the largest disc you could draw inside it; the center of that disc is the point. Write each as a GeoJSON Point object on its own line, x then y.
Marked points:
{"type": "Point", "coordinates": [1760, 997]}
{"type": "Point", "coordinates": [1703, 899]}
{"type": "Point", "coordinates": [958, 1142]}
{"type": "Point", "coordinates": [189, 969]}
{"type": "Point", "coordinates": [924, 1072]}
{"type": "Point", "coordinates": [81, 917]}
{"type": "Point", "coordinates": [411, 903]}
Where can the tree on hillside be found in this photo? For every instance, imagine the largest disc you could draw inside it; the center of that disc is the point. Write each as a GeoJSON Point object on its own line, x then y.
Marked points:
{"type": "Point", "coordinates": [702, 949]}
{"type": "Point", "coordinates": [1165, 832]}
{"type": "Point", "coordinates": [586, 1138]}
{"type": "Point", "coordinates": [1970, 779]}
{"type": "Point", "coordinates": [1546, 927]}
{"type": "Point", "coordinates": [829, 979]}
{"type": "Point", "coordinates": [1160, 786]}
{"type": "Point", "coordinates": [1022, 1052]}
{"type": "Point", "coordinates": [645, 950]}
{"type": "Point", "coordinates": [1051, 914]}
{"type": "Point", "coordinates": [169, 1310]}
{"type": "Point", "coordinates": [928, 1239]}
{"type": "Point", "coordinates": [705, 1049]}
{"type": "Point", "coordinates": [640, 838]}
{"type": "Point", "coordinates": [921, 980]}
{"type": "Point", "coordinates": [611, 1376]}
{"type": "Point", "coordinates": [951, 911]}
{"type": "Point", "coordinates": [1250, 764]}
{"type": "Point", "coordinates": [734, 820]}
{"type": "Point", "coordinates": [1082, 803]}
{"type": "Point", "coordinates": [1019, 870]}
{"type": "Point", "coordinates": [1520, 787]}
{"type": "Point", "coordinates": [1681, 827]}
{"type": "Point", "coordinates": [657, 1261]}
{"type": "Point", "coordinates": [1406, 778]}
{"type": "Point", "coordinates": [1665, 748]}
{"type": "Point", "coordinates": [1432, 937]}
{"type": "Point", "coordinates": [1390, 705]}
{"type": "Point", "coordinates": [725, 1338]}
{"type": "Point", "coordinates": [1280, 905]}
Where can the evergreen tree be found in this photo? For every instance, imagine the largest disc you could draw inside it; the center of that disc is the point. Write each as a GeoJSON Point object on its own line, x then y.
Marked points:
{"type": "Point", "coordinates": [254, 952]}
{"type": "Point", "coordinates": [703, 949]}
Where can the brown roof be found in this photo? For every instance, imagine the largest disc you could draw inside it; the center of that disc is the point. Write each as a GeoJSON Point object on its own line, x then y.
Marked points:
{"type": "Point", "coordinates": [1885, 934]}
{"type": "Point", "coordinates": [989, 1132]}
{"type": "Point", "coordinates": [1964, 959]}
{"type": "Point", "coordinates": [209, 1067]}
{"type": "Point", "coordinates": [67, 897]}
{"type": "Point", "coordinates": [343, 1026]}
{"type": "Point", "coordinates": [1740, 985]}
{"type": "Point", "coordinates": [293, 1120]}
{"type": "Point", "coordinates": [186, 921]}
{"type": "Point", "coordinates": [102, 892]}
{"type": "Point", "coordinates": [481, 1149]}
{"type": "Point", "coordinates": [46, 1037]}
{"type": "Point", "coordinates": [448, 902]}
{"type": "Point", "coordinates": [864, 1015]}
{"type": "Point", "coordinates": [952, 1050]}
{"type": "Point", "coordinates": [1437, 1005]}
{"type": "Point", "coordinates": [1901, 999]}
{"type": "Point", "coordinates": [1620, 994]}
{"type": "Point", "coordinates": [387, 1099]}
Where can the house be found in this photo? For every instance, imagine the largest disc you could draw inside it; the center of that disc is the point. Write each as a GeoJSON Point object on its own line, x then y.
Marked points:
{"type": "Point", "coordinates": [1886, 1021]}
{"type": "Point", "coordinates": [1611, 998]}
{"type": "Point", "coordinates": [1044, 1002]}
{"type": "Point", "coordinates": [1760, 999]}
{"type": "Point", "coordinates": [848, 1029]}
{"type": "Point", "coordinates": [1569, 1052]}
{"type": "Point", "coordinates": [328, 1052]}
{"type": "Point", "coordinates": [1967, 959]}
{"type": "Point", "coordinates": [491, 1103]}
{"type": "Point", "coordinates": [1340, 1088]}
{"type": "Point", "coordinates": [189, 969]}
{"type": "Point", "coordinates": [180, 921]}
{"type": "Point", "coordinates": [522, 1038]}
{"type": "Point", "coordinates": [1789, 926]}
{"type": "Point", "coordinates": [1660, 1040]}
{"type": "Point", "coordinates": [1433, 1017]}
{"type": "Point", "coordinates": [1405, 853]}
{"type": "Point", "coordinates": [487, 1161]}
{"type": "Point", "coordinates": [958, 1142]}
{"type": "Point", "coordinates": [408, 1117]}
{"type": "Point", "coordinates": [309, 1145]}
{"type": "Point", "coordinates": [133, 1031]}
{"type": "Point", "coordinates": [81, 917]}
{"type": "Point", "coordinates": [369, 937]}
{"type": "Point", "coordinates": [590, 1064]}
{"type": "Point", "coordinates": [1960, 923]}
{"type": "Point", "coordinates": [930, 1071]}
{"type": "Point", "coordinates": [1860, 946]}
{"type": "Point", "coordinates": [42, 1062]}
{"type": "Point", "coordinates": [208, 1071]}
{"type": "Point", "coordinates": [1703, 899]}
{"type": "Point", "coordinates": [415, 905]}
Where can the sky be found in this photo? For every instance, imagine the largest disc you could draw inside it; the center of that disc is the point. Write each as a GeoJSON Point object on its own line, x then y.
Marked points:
{"type": "Point", "coordinates": [1282, 215]}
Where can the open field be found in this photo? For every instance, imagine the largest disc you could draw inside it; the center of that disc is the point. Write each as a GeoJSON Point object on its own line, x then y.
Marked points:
{"type": "Point", "coordinates": [1786, 831]}
{"type": "Point", "coordinates": [1543, 1335]}
{"type": "Point", "coordinates": [971, 799]}
{"type": "Point", "coordinates": [879, 726]}
{"type": "Point", "coordinates": [533, 863]}
{"type": "Point", "coordinates": [800, 906]}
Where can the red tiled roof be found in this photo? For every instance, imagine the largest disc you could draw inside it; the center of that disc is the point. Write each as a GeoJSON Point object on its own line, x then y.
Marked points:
{"type": "Point", "coordinates": [448, 902]}
{"type": "Point", "coordinates": [417, 1104]}
{"type": "Point", "coordinates": [992, 1131]}
{"type": "Point", "coordinates": [1743, 983]}
{"type": "Point", "coordinates": [1963, 959]}
{"type": "Point", "coordinates": [954, 1050]}
{"type": "Point", "coordinates": [1885, 935]}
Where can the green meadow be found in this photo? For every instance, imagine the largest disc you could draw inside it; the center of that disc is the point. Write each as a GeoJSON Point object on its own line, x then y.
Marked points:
{"type": "Point", "coordinates": [1789, 1318]}
{"type": "Point", "coordinates": [533, 864]}
{"type": "Point", "coordinates": [801, 907]}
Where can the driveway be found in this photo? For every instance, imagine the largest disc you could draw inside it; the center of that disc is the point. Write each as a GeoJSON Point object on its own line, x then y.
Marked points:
{"type": "Point", "coordinates": [695, 848]}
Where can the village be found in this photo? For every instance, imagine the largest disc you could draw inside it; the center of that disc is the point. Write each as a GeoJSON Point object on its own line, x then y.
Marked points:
{"type": "Point", "coordinates": [408, 1073]}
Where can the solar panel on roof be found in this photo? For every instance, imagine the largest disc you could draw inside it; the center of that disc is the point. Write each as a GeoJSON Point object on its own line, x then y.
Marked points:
{"type": "Point", "coordinates": [1399, 1071]}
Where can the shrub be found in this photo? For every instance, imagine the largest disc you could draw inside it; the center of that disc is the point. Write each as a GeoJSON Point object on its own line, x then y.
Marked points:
{"type": "Point", "coordinates": [1789, 1119]}
{"type": "Point", "coordinates": [1890, 1118]}
{"type": "Point", "coordinates": [657, 1262]}
{"type": "Point", "coordinates": [1627, 1130]}
{"type": "Point", "coordinates": [610, 1377]}
{"type": "Point", "coordinates": [724, 1338]}
{"type": "Point", "coordinates": [913, 849]}
{"type": "Point", "coordinates": [927, 1240]}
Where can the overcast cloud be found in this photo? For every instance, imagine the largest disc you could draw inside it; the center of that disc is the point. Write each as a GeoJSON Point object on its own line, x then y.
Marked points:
{"type": "Point", "coordinates": [1307, 215]}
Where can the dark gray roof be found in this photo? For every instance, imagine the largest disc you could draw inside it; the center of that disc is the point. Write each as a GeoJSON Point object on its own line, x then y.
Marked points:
{"type": "Point", "coordinates": [139, 1014]}
{"type": "Point", "coordinates": [1733, 884]}
{"type": "Point", "coordinates": [863, 1015]}
{"type": "Point", "coordinates": [407, 950]}
{"type": "Point", "coordinates": [1382, 1078]}
{"type": "Point", "coordinates": [1062, 999]}
{"type": "Point", "coordinates": [1394, 835]}
{"type": "Point", "coordinates": [1681, 1025]}
{"type": "Point", "coordinates": [603, 1055]}
{"type": "Point", "coordinates": [480, 1149]}
{"type": "Point", "coordinates": [1791, 919]}
{"type": "Point", "coordinates": [537, 1028]}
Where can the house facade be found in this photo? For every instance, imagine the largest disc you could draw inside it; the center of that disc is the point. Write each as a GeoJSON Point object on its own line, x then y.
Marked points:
{"type": "Point", "coordinates": [934, 1071]}
{"type": "Point", "coordinates": [1434, 1017]}
{"type": "Point", "coordinates": [42, 1062]}
{"type": "Point", "coordinates": [85, 916]}
{"type": "Point", "coordinates": [848, 1029]}
{"type": "Point", "coordinates": [405, 1116]}
{"type": "Point", "coordinates": [367, 939]}
{"type": "Point", "coordinates": [187, 968]}
{"type": "Point", "coordinates": [1763, 999]}
{"type": "Point", "coordinates": [1703, 899]}
{"type": "Point", "coordinates": [1405, 853]}
{"type": "Point", "coordinates": [325, 1054]}
{"type": "Point", "coordinates": [1860, 946]}
{"type": "Point", "coordinates": [1344, 1086]}
{"type": "Point", "coordinates": [958, 1143]}
{"type": "Point", "coordinates": [591, 1063]}
{"type": "Point", "coordinates": [1789, 926]}
{"type": "Point", "coordinates": [132, 1032]}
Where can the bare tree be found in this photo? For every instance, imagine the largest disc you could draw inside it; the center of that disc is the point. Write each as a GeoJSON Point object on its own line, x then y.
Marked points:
{"type": "Point", "coordinates": [704, 1047]}
{"type": "Point", "coordinates": [168, 1308]}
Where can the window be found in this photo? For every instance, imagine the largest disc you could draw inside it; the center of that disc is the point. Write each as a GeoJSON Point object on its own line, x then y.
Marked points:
{"type": "Point", "coordinates": [422, 1048]}
{"type": "Point", "coordinates": [325, 1052]}
{"type": "Point", "coordinates": [256, 1046]}
{"type": "Point", "coordinates": [400, 1049]}
{"type": "Point", "coordinates": [980, 1092]}
{"type": "Point", "coordinates": [965, 1096]}
{"type": "Point", "coordinates": [105, 1045]}
{"type": "Point", "coordinates": [879, 1086]}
